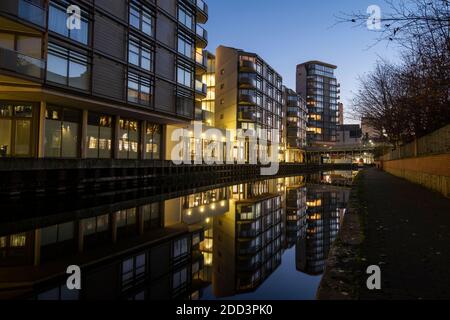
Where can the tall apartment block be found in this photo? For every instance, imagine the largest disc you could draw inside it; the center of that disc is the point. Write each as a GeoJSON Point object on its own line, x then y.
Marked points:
{"type": "Point", "coordinates": [294, 126]}
{"type": "Point", "coordinates": [104, 89]}
{"type": "Point", "coordinates": [317, 84]}
{"type": "Point", "coordinates": [248, 95]}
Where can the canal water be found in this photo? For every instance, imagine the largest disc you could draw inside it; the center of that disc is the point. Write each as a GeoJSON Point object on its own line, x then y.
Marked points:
{"type": "Point", "coordinates": [265, 239]}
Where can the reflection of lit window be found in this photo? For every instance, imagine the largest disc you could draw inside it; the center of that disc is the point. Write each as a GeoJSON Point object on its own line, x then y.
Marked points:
{"type": "Point", "coordinates": [18, 240]}
{"type": "Point", "coordinates": [179, 278]}
{"type": "Point", "coordinates": [180, 248]}
{"type": "Point", "coordinates": [314, 203]}
{"type": "Point", "coordinates": [3, 242]}
{"type": "Point", "coordinates": [207, 258]}
{"type": "Point", "coordinates": [133, 269]}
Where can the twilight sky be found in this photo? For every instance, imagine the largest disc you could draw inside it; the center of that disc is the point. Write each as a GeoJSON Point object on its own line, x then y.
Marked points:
{"type": "Point", "coordinates": [288, 32]}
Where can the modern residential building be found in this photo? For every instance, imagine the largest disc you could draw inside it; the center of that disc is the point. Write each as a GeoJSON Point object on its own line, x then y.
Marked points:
{"type": "Point", "coordinates": [294, 118]}
{"type": "Point", "coordinates": [107, 89]}
{"type": "Point", "coordinates": [248, 95]}
{"type": "Point", "coordinates": [126, 253]}
{"type": "Point", "coordinates": [317, 84]}
{"type": "Point", "coordinates": [349, 134]}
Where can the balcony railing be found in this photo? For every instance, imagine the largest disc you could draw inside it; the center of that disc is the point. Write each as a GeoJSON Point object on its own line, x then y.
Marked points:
{"type": "Point", "coordinates": [202, 35]}
{"type": "Point", "coordinates": [247, 99]}
{"type": "Point", "coordinates": [20, 63]}
{"type": "Point", "coordinates": [24, 9]}
{"type": "Point", "coordinates": [248, 66]}
{"type": "Point", "coordinates": [202, 6]}
{"type": "Point", "coordinates": [247, 81]}
{"type": "Point", "coordinates": [201, 59]}
{"type": "Point", "coordinates": [200, 87]}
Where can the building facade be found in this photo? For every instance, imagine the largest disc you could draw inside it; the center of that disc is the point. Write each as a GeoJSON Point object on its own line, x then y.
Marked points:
{"type": "Point", "coordinates": [248, 95]}
{"type": "Point", "coordinates": [294, 118]}
{"type": "Point", "coordinates": [349, 134]}
{"type": "Point", "coordinates": [317, 84]}
{"type": "Point", "coordinates": [106, 88]}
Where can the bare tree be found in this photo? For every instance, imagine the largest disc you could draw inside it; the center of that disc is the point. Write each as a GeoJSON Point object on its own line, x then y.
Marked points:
{"type": "Point", "coordinates": [413, 98]}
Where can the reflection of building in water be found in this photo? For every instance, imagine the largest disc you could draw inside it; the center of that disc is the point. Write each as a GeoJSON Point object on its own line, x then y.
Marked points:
{"type": "Point", "coordinates": [126, 253]}
{"type": "Point", "coordinates": [326, 208]}
{"type": "Point", "coordinates": [247, 239]}
{"type": "Point", "coordinates": [295, 209]}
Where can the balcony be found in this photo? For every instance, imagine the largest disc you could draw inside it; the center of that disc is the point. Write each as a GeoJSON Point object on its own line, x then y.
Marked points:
{"type": "Point", "coordinates": [202, 36]}
{"type": "Point", "coordinates": [26, 10]}
{"type": "Point", "coordinates": [202, 11]}
{"type": "Point", "coordinates": [247, 82]}
{"type": "Point", "coordinates": [247, 99]}
{"type": "Point", "coordinates": [201, 62]}
{"type": "Point", "coordinates": [207, 117]}
{"type": "Point", "coordinates": [200, 89]}
{"type": "Point", "coordinates": [247, 116]}
{"type": "Point", "coordinates": [247, 66]}
{"type": "Point", "coordinates": [22, 64]}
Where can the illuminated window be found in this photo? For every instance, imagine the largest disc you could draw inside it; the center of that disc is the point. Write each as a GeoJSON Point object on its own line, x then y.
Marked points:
{"type": "Point", "coordinates": [3, 242]}
{"type": "Point", "coordinates": [18, 240]}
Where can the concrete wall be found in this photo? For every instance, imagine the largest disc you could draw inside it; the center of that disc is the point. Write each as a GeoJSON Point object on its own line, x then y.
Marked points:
{"type": "Point", "coordinates": [432, 172]}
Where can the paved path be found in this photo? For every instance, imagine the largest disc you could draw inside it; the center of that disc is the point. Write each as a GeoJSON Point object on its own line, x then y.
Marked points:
{"type": "Point", "coordinates": [408, 235]}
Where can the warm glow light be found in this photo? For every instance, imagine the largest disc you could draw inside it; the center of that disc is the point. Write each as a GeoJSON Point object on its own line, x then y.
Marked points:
{"type": "Point", "coordinates": [207, 220]}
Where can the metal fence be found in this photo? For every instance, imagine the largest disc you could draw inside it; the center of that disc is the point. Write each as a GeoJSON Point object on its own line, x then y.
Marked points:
{"type": "Point", "coordinates": [437, 142]}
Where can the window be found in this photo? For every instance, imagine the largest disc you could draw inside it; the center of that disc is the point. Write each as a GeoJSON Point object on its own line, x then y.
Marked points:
{"type": "Point", "coordinates": [67, 67]}
{"type": "Point", "coordinates": [61, 132]}
{"type": "Point", "coordinates": [57, 233]}
{"type": "Point", "coordinates": [140, 89]}
{"type": "Point", "coordinates": [185, 45]}
{"type": "Point", "coordinates": [185, 103]}
{"type": "Point", "coordinates": [99, 136]}
{"type": "Point", "coordinates": [141, 18]}
{"type": "Point", "coordinates": [15, 130]}
{"type": "Point", "coordinates": [153, 141]}
{"type": "Point", "coordinates": [180, 248]}
{"type": "Point", "coordinates": [126, 217]}
{"type": "Point", "coordinates": [140, 54]}
{"type": "Point", "coordinates": [185, 76]}
{"type": "Point", "coordinates": [95, 225]}
{"type": "Point", "coordinates": [57, 22]}
{"type": "Point", "coordinates": [133, 269]}
{"type": "Point", "coordinates": [185, 17]}
{"type": "Point", "coordinates": [128, 139]}
{"type": "Point", "coordinates": [179, 278]}
{"type": "Point", "coordinates": [151, 215]}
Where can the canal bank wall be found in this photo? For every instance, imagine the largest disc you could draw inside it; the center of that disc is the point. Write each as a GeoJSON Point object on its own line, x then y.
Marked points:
{"type": "Point", "coordinates": [425, 161]}
{"type": "Point", "coordinates": [31, 177]}
{"type": "Point", "coordinates": [342, 274]}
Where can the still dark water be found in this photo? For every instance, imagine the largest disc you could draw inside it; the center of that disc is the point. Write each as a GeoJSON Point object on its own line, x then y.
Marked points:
{"type": "Point", "coordinates": [265, 239]}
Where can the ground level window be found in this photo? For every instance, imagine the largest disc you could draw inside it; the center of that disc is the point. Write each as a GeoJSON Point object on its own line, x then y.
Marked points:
{"type": "Point", "coordinates": [128, 139]}
{"type": "Point", "coordinates": [153, 141]}
{"type": "Point", "coordinates": [99, 136]}
{"type": "Point", "coordinates": [16, 130]}
{"type": "Point", "coordinates": [62, 132]}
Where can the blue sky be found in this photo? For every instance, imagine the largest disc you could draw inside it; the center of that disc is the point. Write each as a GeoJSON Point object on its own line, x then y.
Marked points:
{"type": "Point", "coordinates": [288, 32]}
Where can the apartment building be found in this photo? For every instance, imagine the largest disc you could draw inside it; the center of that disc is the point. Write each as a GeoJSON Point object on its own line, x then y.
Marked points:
{"type": "Point", "coordinates": [248, 94]}
{"type": "Point", "coordinates": [126, 253]}
{"type": "Point", "coordinates": [102, 86]}
{"type": "Point", "coordinates": [294, 118]}
{"type": "Point", "coordinates": [317, 84]}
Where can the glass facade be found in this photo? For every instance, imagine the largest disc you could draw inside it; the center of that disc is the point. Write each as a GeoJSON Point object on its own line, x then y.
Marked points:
{"type": "Point", "coordinates": [16, 130]}
{"type": "Point", "coordinates": [99, 136]}
{"type": "Point", "coordinates": [62, 132]}
{"type": "Point", "coordinates": [128, 139]}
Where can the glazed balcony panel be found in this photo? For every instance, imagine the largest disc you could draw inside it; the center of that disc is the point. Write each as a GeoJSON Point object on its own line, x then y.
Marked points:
{"type": "Point", "coordinates": [202, 36]}
{"type": "Point", "coordinates": [201, 62]}
{"type": "Point", "coordinates": [30, 11]}
{"type": "Point", "coordinates": [200, 89]}
{"type": "Point", "coordinates": [22, 64]}
{"type": "Point", "coordinates": [247, 82]}
{"type": "Point", "coordinates": [202, 11]}
{"type": "Point", "coordinates": [247, 99]}
{"type": "Point", "coordinates": [247, 66]}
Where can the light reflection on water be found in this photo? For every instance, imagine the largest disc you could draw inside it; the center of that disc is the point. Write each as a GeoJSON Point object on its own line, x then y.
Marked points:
{"type": "Point", "coordinates": [260, 240]}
